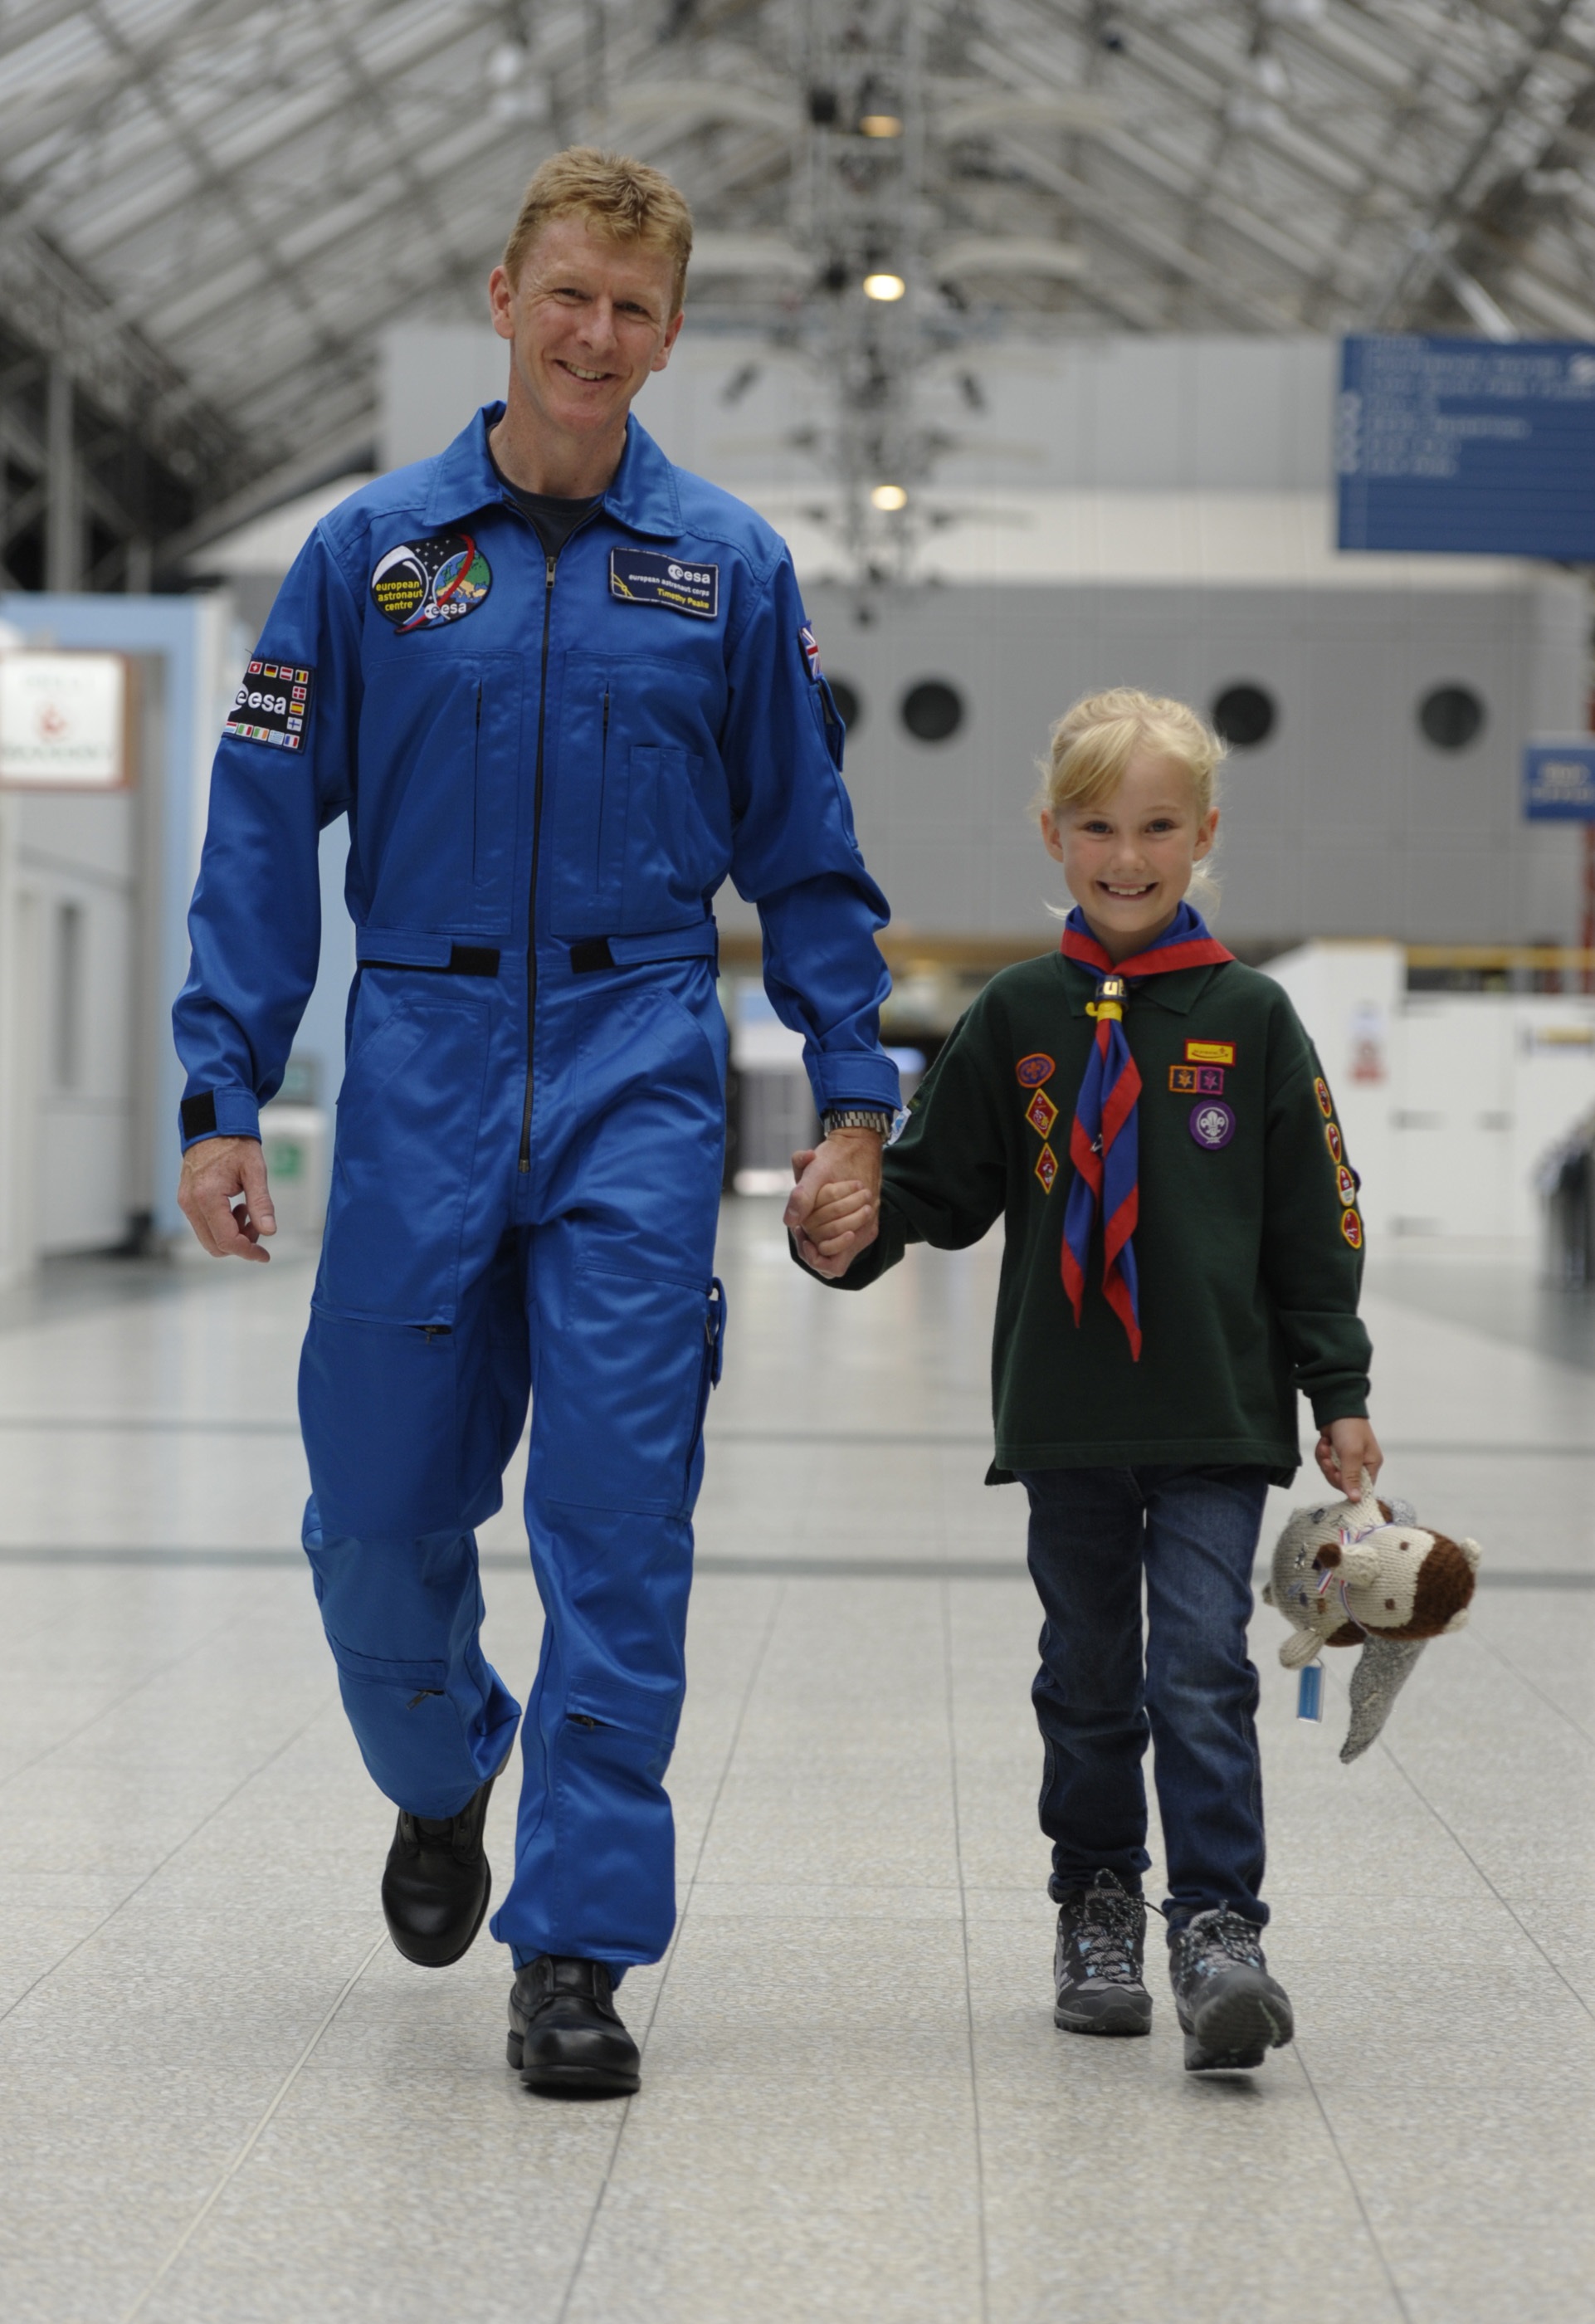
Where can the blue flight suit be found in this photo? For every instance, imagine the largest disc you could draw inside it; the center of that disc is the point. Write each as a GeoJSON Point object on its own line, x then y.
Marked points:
{"type": "Point", "coordinates": [548, 768]}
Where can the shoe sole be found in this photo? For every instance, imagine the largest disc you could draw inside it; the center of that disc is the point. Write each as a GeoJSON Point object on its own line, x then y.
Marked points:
{"type": "Point", "coordinates": [1123, 2016]}
{"type": "Point", "coordinates": [1237, 2031]}
{"type": "Point", "coordinates": [571, 2081]}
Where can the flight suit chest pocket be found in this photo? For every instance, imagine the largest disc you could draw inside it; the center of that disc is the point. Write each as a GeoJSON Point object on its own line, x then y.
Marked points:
{"type": "Point", "coordinates": [642, 831]}
{"type": "Point", "coordinates": [439, 788]}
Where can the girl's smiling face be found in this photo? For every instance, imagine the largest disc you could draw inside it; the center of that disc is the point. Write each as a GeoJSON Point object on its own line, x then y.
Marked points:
{"type": "Point", "coordinates": [1127, 860]}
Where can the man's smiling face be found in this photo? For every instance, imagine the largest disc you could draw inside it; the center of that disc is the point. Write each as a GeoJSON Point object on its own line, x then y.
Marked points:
{"type": "Point", "coordinates": [587, 322]}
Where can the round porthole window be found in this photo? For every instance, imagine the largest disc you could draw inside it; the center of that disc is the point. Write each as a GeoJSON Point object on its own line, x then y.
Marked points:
{"type": "Point", "coordinates": [933, 711]}
{"type": "Point", "coordinates": [1245, 716]}
{"type": "Point", "coordinates": [1450, 717]}
{"type": "Point", "coordinates": [849, 706]}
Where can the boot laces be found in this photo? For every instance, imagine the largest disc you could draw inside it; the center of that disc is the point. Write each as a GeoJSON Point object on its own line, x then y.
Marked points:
{"type": "Point", "coordinates": [1105, 1936]}
{"type": "Point", "coordinates": [1221, 1931]}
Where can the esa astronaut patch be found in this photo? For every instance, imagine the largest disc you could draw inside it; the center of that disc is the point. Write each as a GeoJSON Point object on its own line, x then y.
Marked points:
{"type": "Point", "coordinates": [273, 706]}
{"type": "Point", "coordinates": [642, 576]}
{"type": "Point", "coordinates": [420, 585]}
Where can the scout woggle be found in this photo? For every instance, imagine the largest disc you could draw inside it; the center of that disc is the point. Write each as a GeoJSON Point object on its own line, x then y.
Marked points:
{"type": "Point", "coordinates": [1103, 1143]}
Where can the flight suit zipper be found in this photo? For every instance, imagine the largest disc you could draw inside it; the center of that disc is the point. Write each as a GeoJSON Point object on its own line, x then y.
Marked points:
{"type": "Point", "coordinates": [537, 836]}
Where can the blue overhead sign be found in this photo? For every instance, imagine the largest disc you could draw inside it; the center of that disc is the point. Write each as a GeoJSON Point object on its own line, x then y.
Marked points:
{"type": "Point", "coordinates": [1468, 446]}
{"type": "Point", "coordinates": [1559, 782]}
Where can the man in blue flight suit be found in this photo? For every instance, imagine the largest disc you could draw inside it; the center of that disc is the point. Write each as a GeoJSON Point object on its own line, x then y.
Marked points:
{"type": "Point", "coordinates": [561, 690]}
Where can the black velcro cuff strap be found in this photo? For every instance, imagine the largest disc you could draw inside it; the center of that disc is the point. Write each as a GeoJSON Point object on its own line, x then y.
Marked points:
{"type": "Point", "coordinates": [199, 1114]}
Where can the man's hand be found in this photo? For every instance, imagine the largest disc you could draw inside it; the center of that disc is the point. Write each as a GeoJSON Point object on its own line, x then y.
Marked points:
{"type": "Point", "coordinates": [848, 1159]}
{"type": "Point", "coordinates": [1347, 1451]}
{"type": "Point", "coordinates": [215, 1173]}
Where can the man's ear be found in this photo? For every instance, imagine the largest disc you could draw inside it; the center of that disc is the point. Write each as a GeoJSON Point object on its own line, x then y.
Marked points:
{"type": "Point", "coordinates": [672, 333]}
{"type": "Point", "coordinates": [500, 299]}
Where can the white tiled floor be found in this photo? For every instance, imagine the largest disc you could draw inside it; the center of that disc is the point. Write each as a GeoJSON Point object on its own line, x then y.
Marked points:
{"type": "Point", "coordinates": [223, 2097]}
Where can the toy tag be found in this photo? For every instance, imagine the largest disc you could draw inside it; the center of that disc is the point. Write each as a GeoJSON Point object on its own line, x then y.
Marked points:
{"type": "Point", "coordinates": [1310, 1693]}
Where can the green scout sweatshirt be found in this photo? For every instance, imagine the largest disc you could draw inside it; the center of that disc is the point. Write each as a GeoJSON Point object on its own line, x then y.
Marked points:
{"type": "Point", "coordinates": [1248, 1253]}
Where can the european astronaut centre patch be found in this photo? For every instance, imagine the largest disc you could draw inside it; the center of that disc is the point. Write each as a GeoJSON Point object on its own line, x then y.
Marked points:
{"type": "Point", "coordinates": [273, 705]}
{"type": "Point", "coordinates": [642, 576]}
{"type": "Point", "coordinates": [422, 584]}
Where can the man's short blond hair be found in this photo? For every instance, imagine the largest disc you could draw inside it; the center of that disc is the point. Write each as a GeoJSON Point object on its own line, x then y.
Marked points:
{"type": "Point", "coordinates": [625, 200]}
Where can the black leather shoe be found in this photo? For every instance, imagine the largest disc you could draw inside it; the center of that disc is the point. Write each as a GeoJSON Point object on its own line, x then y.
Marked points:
{"type": "Point", "coordinates": [437, 1880]}
{"type": "Point", "coordinates": [565, 2039]}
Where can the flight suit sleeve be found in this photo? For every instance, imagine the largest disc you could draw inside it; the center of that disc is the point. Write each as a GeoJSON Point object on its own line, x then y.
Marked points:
{"type": "Point", "coordinates": [945, 1182]}
{"type": "Point", "coordinates": [254, 925]}
{"type": "Point", "coordinates": [1313, 1235]}
{"type": "Point", "coordinates": [794, 857]}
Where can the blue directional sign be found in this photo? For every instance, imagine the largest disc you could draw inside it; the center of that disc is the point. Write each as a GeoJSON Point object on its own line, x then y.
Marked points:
{"type": "Point", "coordinates": [1559, 782]}
{"type": "Point", "coordinates": [1466, 446]}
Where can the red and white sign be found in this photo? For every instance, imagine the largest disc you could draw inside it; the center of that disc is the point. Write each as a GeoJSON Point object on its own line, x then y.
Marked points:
{"type": "Point", "coordinates": [63, 721]}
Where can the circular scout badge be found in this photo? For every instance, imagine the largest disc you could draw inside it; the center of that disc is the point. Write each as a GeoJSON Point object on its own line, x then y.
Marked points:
{"type": "Point", "coordinates": [1213, 1124]}
{"type": "Point", "coordinates": [1035, 1069]}
{"type": "Point", "coordinates": [1332, 1140]}
{"type": "Point", "coordinates": [1346, 1184]}
{"type": "Point", "coordinates": [422, 584]}
{"type": "Point", "coordinates": [1325, 1103]}
{"type": "Point", "coordinates": [1352, 1227]}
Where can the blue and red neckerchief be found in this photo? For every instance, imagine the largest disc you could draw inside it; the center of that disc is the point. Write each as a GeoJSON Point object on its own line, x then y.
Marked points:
{"type": "Point", "coordinates": [1102, 1142]}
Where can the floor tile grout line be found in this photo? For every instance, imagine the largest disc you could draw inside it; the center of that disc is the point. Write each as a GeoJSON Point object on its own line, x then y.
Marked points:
{"type": "Point", "coordinates": [250, 2143]}
{"type": "Point", "coordinates": [974, 2086]}
{"type": "Point", "coordinates": [1499, 1655]}
{"type": "Point", "coordinates": [1466, 1853]}
{"type": "Point", "coordinates": [160, 1670]}
{"type": "Point", "coordinates": [735, 1737]}
{"type": "Point", "coordinates": [1397, 2293]}
{"type": "Point", "coordinates": [155, 1871]}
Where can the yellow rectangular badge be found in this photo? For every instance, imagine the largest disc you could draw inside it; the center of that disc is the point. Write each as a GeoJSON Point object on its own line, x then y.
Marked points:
{"type": "Point", "coordinates": [1210, 1053]}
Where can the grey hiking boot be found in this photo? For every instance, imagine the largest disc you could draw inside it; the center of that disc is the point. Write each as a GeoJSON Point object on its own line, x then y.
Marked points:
{"type": "Point", "coordinates": [1097, 1966]}
{"type": "Point", "coordinates": [1230, 2010]}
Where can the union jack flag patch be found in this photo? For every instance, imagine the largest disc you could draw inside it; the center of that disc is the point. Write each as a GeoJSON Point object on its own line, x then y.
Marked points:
{"type": "Point", "coordinates": [811, 653]}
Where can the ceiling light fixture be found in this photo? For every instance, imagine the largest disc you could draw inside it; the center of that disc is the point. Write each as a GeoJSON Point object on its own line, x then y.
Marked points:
{"type": "Point", "coordinates": [880, 125]}
{"type": "Point", "coordinates": [884, 287]}
{"type": "Point", "coordinates": [887, 498]}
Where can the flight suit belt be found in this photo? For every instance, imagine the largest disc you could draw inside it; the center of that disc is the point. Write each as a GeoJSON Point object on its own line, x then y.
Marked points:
{"type": "Point", "coordinates": [441, 956]}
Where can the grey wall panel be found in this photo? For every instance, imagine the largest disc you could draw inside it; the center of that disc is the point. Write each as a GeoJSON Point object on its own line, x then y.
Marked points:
{"type": "Point", "coordinates": [1346, 823]}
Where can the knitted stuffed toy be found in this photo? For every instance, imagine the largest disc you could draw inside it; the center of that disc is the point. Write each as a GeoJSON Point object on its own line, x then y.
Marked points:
{"type": "Point", "coordinates": [1364, 1573]}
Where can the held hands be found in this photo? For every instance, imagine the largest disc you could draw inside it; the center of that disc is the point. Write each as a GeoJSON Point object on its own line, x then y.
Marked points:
{"type": "Point", "coordinates": [1344, 1452]}
{"type": "Point", "coordinates": [215, 1173]}
{"type": "Point", "coordinates": [834, 1208]}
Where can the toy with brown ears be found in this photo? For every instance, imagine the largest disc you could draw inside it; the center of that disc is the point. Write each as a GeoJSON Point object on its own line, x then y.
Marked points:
{"type": "Point", "coordinates": [1366, 1573]}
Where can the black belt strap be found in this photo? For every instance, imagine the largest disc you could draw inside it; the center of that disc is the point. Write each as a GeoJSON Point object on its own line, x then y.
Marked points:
{"type": "Point", "coordinates": [464, 960]}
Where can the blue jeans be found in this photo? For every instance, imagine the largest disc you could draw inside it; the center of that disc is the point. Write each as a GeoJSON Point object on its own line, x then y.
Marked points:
{"type": "Point", "coordinates": [1193, 1534]}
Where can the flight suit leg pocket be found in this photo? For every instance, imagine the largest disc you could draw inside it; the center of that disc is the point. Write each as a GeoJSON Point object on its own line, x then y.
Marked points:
{"type": "Point", "coordinates": [617, 1420]}
{"type": "Point", "coordinates": [408, 1119]}
{"type": "Point", "coordinates": [379, 1408]}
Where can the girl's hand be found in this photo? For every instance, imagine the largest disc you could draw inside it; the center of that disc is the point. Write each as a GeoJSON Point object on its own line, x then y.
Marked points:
{"type": "Point", "coordinates": [841, 1212]}
{"type": "Point", "coordinates": [1346, 1452]}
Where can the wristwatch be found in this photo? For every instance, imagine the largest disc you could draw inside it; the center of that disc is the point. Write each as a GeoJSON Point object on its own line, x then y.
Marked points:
{"type": "Point", "coordinates": [857, 1117]}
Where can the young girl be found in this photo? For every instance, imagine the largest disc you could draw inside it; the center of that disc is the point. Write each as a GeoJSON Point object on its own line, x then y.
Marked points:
{"type": "Point", "coordinates": [1183, 1252]}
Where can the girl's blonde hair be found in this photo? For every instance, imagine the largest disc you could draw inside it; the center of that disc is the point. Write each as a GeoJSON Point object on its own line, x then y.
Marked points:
{"type": "Point", "coordinates": [1094, 741]}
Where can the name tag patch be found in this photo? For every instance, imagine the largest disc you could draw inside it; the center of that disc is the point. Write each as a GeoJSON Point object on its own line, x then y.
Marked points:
{"type": "Point", "coordinates": [642, 576]}
{"type": "Point", "coordinates": [422, 584]}
{"type": "Point", "coordinates": [1210, 1053]}
{"type": "Point", "coordinates": [273, 706]}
